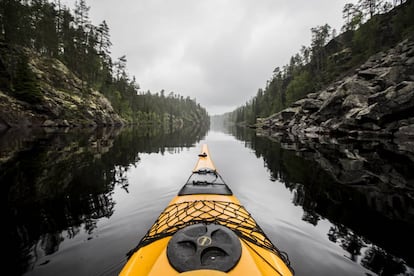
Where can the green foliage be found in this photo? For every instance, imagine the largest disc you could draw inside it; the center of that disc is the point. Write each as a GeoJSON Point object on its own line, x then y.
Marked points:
{"type": "Point", "coordinates": [299, 87]}
{"type": "Point", "coordinates": [403, 24]}
{"type": "Point", "coordinates": [51, 30]}
{"type": "Point", "coordinates": [370, 26]}
{"type": "Point", "coordinates": [25, 85]}
{"type": "Point", "coordinates": [366, 39]}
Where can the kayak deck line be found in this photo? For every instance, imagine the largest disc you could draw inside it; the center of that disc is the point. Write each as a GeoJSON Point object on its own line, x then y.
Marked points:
{"type": "Point", "coordinates": [205, 230]}
{"type": "Point", "coordinates": [229, 214]}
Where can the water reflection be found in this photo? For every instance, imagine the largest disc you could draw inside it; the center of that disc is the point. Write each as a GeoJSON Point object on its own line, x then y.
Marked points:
{"type": "Point", "coordinates": [57, 185]}
{"type": "Point", "coordinates": [59, 188]}
{"type": "Point", "coordinates": [366, 190]}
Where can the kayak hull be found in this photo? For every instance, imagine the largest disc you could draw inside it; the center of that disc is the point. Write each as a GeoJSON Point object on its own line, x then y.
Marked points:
{"type": "Point", "coordinates": [223, 211]}
{"type": "Point", "coordinates": [153, 261]}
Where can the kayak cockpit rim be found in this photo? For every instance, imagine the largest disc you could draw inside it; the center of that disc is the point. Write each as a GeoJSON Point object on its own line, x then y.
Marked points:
{"type": "Point", "coordinates": [205, 181]}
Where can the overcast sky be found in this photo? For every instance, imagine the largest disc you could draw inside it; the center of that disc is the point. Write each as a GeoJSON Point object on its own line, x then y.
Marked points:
{"type": "Point", "coordinates": [219, 52]}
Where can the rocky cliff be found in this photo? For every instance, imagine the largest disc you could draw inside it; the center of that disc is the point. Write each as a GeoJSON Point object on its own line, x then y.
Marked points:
{"type": "Point", "coordinates": [375, 101]}
{"type": "Point", "coordinates": [63, 99]}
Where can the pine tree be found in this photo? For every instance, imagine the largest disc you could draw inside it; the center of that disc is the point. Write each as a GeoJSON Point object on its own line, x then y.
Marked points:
{"type": "Point", "coordinates": [45, 35]}
{"type": "Point", "coordinates": [25, 84]}
{"type": "Point", "coordinates": [16, 26]}
{"type": "Point", "coordinates": [103, 41]}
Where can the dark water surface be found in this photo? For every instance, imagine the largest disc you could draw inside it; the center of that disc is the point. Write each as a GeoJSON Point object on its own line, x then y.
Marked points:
{"type": "Point", "coordinates": [76, 203]}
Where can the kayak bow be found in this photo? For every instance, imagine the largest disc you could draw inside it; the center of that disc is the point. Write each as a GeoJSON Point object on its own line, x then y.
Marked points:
{"type": "Point", "coordinates": [206, 231]}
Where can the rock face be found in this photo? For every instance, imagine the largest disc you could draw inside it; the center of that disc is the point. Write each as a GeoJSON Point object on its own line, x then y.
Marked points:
{"type": "Point", "coordinates": [377, 101]}
{"type": "Point", "coordinates": [65, 100]}
{"type": "Point", "coordinates": [365, 165]}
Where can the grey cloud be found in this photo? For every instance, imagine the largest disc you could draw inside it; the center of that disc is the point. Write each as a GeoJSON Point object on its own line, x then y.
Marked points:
{"type": "Point", "coordinates": [217, 51]}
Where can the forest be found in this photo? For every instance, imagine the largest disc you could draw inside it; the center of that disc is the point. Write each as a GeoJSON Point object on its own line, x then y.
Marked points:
{"type": "Point", "coordinates": [369, 26]}
{"type": "Point", "coordinates": [53, 30]}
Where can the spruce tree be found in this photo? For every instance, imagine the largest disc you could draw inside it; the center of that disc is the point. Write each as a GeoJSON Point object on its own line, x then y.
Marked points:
{"type": "Point", "coordinates": [25, 84]}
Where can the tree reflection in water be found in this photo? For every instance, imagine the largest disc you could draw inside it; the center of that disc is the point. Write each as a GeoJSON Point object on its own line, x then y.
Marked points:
{"type": "Point", "coordinates": [365, 189]}
{"type": "Point", "coordinates": [57, 185]}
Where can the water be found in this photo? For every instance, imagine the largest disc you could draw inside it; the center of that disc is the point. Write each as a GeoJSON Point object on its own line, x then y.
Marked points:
{"type": "Point", "coordinates": [77, 203]}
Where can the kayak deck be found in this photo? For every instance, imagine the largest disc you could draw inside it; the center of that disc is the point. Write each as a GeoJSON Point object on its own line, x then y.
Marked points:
{"type": "Point", "coordinates": [228, 213]}
{"type": "Point", "coordinates": [205, 228]}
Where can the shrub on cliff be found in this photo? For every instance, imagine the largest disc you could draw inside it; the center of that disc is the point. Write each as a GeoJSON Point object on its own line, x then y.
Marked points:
{"type": "Point", "coordinates": [25, 86]}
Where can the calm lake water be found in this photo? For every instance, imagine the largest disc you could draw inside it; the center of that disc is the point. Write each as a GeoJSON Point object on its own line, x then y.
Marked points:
{"type": "Point", "coordinates": [77, 202]}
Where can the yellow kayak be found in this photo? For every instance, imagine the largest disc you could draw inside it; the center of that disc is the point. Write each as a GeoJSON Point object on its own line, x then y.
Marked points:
{"type": "Point", "coordinates": [206, 231]}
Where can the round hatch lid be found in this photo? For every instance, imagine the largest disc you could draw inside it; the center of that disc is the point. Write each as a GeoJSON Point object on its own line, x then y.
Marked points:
{"type": "Point", "coordinates": [204, 246]}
